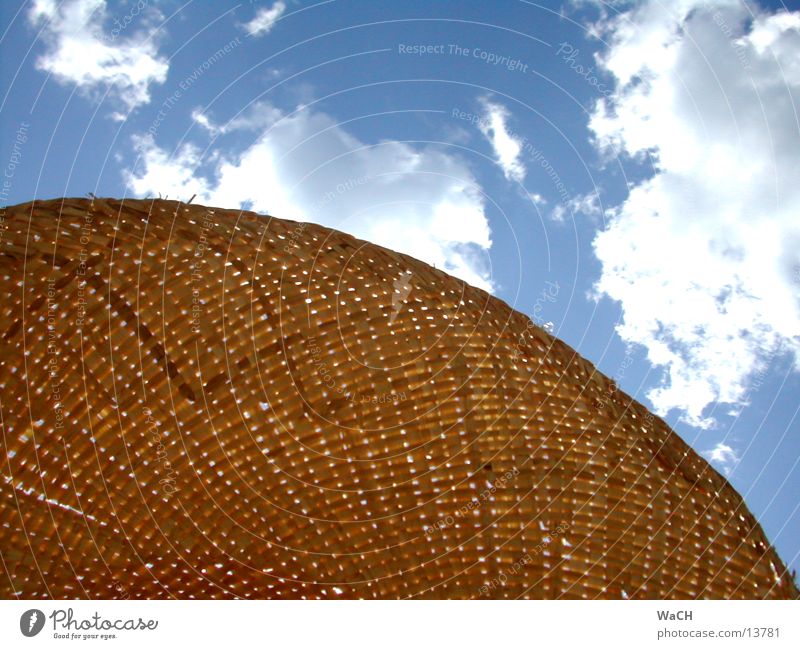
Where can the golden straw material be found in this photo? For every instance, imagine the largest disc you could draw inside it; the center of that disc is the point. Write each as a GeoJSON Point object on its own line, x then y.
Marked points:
{"type": "Point", "coordinates": [201, 402]}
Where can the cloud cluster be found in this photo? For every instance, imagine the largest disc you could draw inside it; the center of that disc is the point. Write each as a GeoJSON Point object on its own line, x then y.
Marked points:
{"type": "Point", "coordinates": [83, 48]}
{"type": "Point", "coordinates": [507, 146]}
{"type": "Point", "coordinates": [704, 255]}
{"type": "Point", "coordinates": [588, 205]}
{"type": "Point", "coordinates": [419, 200]}
{"type": "Point", "coordinates": [265, 19]}
{"type": "Point", "coordinates": [723, 456]}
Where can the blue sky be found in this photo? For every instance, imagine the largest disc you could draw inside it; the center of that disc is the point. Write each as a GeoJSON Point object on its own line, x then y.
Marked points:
{"type": "Point", "coordinates": [623, 172]}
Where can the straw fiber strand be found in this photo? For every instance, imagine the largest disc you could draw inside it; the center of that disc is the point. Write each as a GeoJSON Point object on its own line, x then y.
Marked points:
{"type": "Point", "coordinates": [199, 402]}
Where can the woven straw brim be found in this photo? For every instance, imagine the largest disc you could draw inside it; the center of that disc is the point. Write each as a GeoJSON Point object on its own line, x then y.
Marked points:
{"type": "Point", "coordinates": [203, 403]}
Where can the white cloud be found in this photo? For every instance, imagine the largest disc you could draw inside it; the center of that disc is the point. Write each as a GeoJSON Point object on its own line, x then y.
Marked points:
{"type": "Point", "coordinates": [507, 147]}
{"type": "Point", "coordinates": [258, 116]}
{"type": "Point", "coordinates": [537, 199]}
{"type": "Point", "coordinates": [167, 175]}
{"type": "Point", "coordinates": [265, 19]}
{"type": "Point", "coordinates": [421, 201]}
{"type": "Point", "coordinates": [723, 456]}
{"type": "Point", "coordinates": [704, 255]}
{"type": "Point", "coordinates": [80, 51]}
{"type": "Point", "coordinates": [583, 204]}
{"type": "Point", "coordinates": [201, 119]}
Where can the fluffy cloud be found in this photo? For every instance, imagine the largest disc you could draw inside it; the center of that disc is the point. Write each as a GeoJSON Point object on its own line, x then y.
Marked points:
{"type": "Point", "coordinates": [583, 204]}
{"type": "Point", "coordinates": [723, 456]}
{"type": "Point", "coordinates": [421, 201]}
{"type": "Point", "coordinates": [507, 147]}
{"type": "Point", "coordinates": [265, 19]}
{"type": "Point", "coordinates": [704, 255]}
{"type": "Point", "coordinates": [80, 51]}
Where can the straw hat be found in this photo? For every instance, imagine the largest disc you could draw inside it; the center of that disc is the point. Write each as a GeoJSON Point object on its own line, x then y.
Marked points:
{"type": "Point", "coordinates": [200, 402]}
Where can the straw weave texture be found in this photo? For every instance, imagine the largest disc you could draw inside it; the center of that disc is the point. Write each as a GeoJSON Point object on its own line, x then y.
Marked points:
{"type": "Point", "coordinates": [200, 402]}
